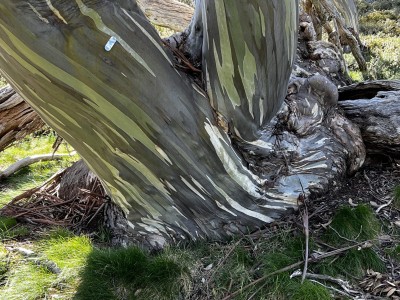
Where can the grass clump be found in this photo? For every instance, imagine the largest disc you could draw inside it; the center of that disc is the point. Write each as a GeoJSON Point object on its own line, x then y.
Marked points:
{"type": "Point", "coordinates": [353, 224]}
{"type": "Point", "coordinates": [9, 228]}
{"type": "Point", "coordinates": [354, 263]}
{"type": "Point", "coordinates": [6, 223]}
{"type": "Point", "coordinates": [129, 274]}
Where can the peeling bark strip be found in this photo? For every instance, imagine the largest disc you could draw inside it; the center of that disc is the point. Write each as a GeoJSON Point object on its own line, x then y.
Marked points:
{"type": "Point", "coordinates": [142, 126]}
{"type": "Point", "coordinates": [17, 118]}
{"type": "Point", "coordinates": [248, 44]}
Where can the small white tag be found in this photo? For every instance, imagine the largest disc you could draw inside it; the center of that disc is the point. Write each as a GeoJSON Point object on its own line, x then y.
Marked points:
{"type": "Point", "coordinates": [111, 42]}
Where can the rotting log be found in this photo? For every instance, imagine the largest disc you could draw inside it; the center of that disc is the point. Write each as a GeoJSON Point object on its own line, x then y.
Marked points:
{"type": "Point", "coordinates": [375, 107]}
{"type": "Point", "coordinates": [17, 118]}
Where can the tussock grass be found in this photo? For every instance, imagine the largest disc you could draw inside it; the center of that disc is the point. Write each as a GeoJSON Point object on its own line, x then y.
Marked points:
{"type": "Point", "coordinates": [353, 224]}
{"type": "Point", "coordinates": [129, 274]}
{"type": "Point", "coordinates": [353, 264]}
{"type": "Point", "coordinates": [7, 223]}
{"type": "Point", "coordinates": [309, 291]}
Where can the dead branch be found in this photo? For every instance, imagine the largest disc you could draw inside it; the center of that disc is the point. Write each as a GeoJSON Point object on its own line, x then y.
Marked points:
{"type": "Point", "coordinates": [29, 161]}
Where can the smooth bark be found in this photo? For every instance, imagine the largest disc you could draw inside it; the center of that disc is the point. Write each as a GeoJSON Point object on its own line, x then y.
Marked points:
{"type": "Point", "coordinates": [147, 131]}
{"type": "Point", "coordinates": [180, 163]}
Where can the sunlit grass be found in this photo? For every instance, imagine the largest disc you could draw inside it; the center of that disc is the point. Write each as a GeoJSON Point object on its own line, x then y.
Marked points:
{"type": "Point", "coordinates": [35, 174]}
{"type": "Point", "coordinates": [27, 281]}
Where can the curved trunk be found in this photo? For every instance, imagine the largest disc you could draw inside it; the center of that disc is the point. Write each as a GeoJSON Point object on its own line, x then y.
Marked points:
{"type": "Point", "coordinates": [98, 73]}
{"type": "Point", "coordinates": [248, 56]}
{"type": "Point", "coordinates": [142, 126]}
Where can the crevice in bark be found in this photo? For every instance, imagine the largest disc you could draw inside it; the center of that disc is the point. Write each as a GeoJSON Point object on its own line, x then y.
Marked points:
{"type": "Point", "coordinates": [367, 89]}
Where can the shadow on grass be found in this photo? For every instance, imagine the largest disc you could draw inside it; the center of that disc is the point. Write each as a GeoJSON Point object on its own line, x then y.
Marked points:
{"type": "Point", "coordinates": [129, 274]}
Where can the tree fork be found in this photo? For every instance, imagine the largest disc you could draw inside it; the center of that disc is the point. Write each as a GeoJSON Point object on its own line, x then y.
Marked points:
{"type": "Point", "coordinates": [149, 132]}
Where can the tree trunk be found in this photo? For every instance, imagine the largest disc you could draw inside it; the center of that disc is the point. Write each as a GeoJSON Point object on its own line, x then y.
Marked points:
{"type": "Point", "coordinates": [182, 166]}
{"type": "Point", "coordinates": [18, 119]}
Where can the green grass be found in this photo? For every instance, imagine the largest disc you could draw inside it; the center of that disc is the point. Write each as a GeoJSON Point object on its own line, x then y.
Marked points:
{"type": "Point", "coordinates": [129, 274]}
{"type": "Point", "coordinates": [10, 229]}
{"type": "Point", "coordinates": [309, 291]}
{"type": "Point", "coordinates": [353, 264]}
{"type": "Point", "coordinates": [35, 174]}
{"type": "Point", "coordinates": [352, 224]}
{"type": "Point", "coordinates": [27, 281]}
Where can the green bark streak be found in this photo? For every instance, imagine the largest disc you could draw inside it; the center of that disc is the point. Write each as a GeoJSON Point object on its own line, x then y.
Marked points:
{"type": "Point", "coordinates": [250, 47]}
{"type": "Point", "coordinates": [139, 124]}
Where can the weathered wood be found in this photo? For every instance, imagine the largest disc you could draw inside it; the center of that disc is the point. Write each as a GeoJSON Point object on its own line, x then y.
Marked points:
{"type": "Point", "coordinates": [17, 118]}
{"type": "Point", "coordinates": [367, 89]}
{"type": "Point", "coordinates": [375, 108]}
{"type": "Point", "coordinates": [167, 13]}
{"type": "Point", "coordinates": [15, 167]}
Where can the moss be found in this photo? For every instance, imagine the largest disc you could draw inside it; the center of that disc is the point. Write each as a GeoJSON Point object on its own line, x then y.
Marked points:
{"type": "Point", "coordinates": [354, 224]}
{"type": "Point", "coordinates": [309, 291]}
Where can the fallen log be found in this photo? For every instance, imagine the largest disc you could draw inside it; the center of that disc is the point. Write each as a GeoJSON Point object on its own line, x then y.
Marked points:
{"type": "Point", "coordinates": [18, 119]}
{"type": "Point", "coordinates": [375, 107]}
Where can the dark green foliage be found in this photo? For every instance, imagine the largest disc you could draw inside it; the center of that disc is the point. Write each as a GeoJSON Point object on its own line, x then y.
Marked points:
{"type": "Point", "coordinates": [379, 17]}
{"type": "Point", "coordinates": [9, 228]}
{"type": "Point", "coordinates": [354, 224]}
{"type": "Point", "coordinates": [7, 223]}
{"type": "Point", "coordinates": [394, 253]}
{"type": "Point", "coordinates": [396, 196]}
{"type": "Point", "coordinates": [128, 274]}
